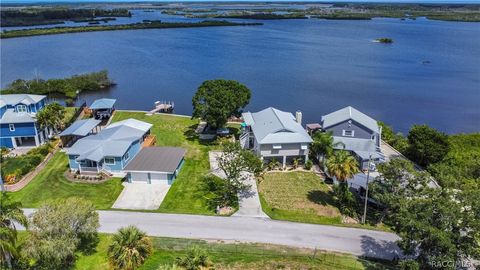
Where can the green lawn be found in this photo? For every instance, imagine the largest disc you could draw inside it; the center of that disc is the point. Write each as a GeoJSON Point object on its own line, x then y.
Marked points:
{"type": "Point", "coordinates": [298, 196]}
{"type": "Point", "coordinates": [233, 256]}
{"type": "Point", "coordinates": [51, 184]}
{"type": "Point", "coordinates": [185, 194]}
{"type": "Point", "coordinates": [304, 197]}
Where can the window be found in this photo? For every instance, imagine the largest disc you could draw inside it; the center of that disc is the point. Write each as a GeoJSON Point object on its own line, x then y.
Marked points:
{"type": "Point", "coordinates": [21, 108]}
{"type": "Point", "coordinates": [109, 161]}
{"type": "Point", "coordinates": [126, 156]}
{"type": "Point", "coordinates": [277, 146]}
{"type": "Point", "coordinates": [348, 133]}
{"type": "Point", "coordinates": [304, 146]}
{"type": "Point", "coordinates": [373, 137]}
{"type": "Point", "coordinates": [11, 127]}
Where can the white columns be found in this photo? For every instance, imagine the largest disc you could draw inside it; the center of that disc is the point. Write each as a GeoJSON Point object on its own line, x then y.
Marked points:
{"type": "Point", "coordinates": [37, 143]}
{"type": "Point", "coordinates": [14, 142]}
{"type": "Point", "coordinates": [284, 161]}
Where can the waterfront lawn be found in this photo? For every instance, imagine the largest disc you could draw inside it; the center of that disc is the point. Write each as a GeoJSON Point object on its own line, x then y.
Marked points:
{"type": "Point", "coordinates": [186, 194]}
{"type": "Point", "coordinates": [232, 256]}
{"type": "Point", "coordinates": [51, 184]}
{"type": "Point", "coordinates": [298, 196]}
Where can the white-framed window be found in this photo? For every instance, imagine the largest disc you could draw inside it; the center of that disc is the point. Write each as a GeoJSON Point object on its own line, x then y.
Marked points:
{"type": "Point", "coordinates": [126, 156]}
{"type": "Point", "coordinates": [348, 133]}
{"type": "Point", "coordinates": [304, 146]}
{"type": "Point", "coordinates": [21, 108]}
{"type": "Point", "coordinates": [277, 146]}
{"type": "Point", "coordinates": [81, 162]}
{"type": "Point", "coordinates": [109, 161]}
{"type": "Point", "coordinates": [11, 127]}
{"type": "Point", "coordinates": [373, 137]}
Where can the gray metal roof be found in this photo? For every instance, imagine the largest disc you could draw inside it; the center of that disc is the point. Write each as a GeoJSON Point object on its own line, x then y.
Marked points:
{"type": "Point", "coordinates": [274, 126]}
{"type": "Point", "coordinates": [113, 140]}
{"type": "Point", "coordinates": [157, 159]}
{"type": "Point", "coordinates": [103, 103]}
{"type": "Point", "coordinates": [348, 113]}
{"type": "Point", "coordinates": [81, 127]}
{"type": "Point", "coordinates": [14, 99]}
{"type": "Point", "coordinates": [11, 117]}
{"type": "Point", "coordinates": [362, 147]}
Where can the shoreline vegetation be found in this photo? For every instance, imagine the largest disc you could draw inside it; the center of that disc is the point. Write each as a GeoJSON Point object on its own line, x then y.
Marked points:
{"type": "Point", "coordinates": [68, 87]}
{"type": "Point", "coordinates": [132, 26]}
{"type": "Point", "coordinates": [45, 16]}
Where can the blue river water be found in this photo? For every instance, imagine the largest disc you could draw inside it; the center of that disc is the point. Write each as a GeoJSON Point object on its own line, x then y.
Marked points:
{"type": "Point", "coordinates": [430, 74]}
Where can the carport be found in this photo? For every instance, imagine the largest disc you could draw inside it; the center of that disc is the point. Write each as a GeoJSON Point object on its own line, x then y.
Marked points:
{"type": "Point", "coordinates": [155, 165]}
{"type": "Point", "coordinates": [77, 130]}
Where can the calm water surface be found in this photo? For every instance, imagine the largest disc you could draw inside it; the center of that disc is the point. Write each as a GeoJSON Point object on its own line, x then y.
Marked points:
{"type": "Point", "coordinates": [315, 66]}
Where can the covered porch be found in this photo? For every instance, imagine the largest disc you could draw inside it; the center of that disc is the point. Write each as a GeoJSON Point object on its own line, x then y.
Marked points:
{"type": "Point", "coordinates": [89, 166]}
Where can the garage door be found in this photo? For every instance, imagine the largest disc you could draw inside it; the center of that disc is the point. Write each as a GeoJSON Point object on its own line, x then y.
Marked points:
{"type": "Point", "coordinates": [159, 178]}
{"type": "Point", "coordinates": [139, 177]}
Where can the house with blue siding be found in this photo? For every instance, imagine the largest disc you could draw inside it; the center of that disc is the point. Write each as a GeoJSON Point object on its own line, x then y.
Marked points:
{"type": "Point", "coordinates": [19, 127]}
{"type": "Point", "coordinates": [111, 149]}
{"type": "Point", "coordinates": [355, 132]}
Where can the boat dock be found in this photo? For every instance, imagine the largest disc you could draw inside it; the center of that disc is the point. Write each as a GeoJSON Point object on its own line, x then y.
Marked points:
{"type": "Point", "coordinates": [163, 107]}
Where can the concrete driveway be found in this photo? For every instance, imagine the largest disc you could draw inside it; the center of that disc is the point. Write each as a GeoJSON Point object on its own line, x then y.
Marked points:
{"type": "Point", "coordinates": [249, 202]}
{"type": "Point", "coordinates": [141, 196]}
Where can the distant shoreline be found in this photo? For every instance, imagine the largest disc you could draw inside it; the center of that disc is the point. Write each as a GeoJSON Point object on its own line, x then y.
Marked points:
{"type": "Point", "coordinates": [132, 26]}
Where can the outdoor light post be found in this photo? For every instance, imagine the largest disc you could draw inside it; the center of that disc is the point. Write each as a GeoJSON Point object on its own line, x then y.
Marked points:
{"type": "Point", "coordinates": [364, 218]}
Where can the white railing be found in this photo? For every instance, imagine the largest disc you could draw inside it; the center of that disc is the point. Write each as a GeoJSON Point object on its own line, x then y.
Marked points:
{"type": "Point", "coordinates": [88, 169]}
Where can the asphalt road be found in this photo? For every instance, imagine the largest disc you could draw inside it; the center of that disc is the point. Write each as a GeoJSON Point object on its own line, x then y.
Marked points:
{"type": "Point", "coordinates": [247, 229]}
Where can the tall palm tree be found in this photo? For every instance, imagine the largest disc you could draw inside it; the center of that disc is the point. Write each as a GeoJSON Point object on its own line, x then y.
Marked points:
{"type": "Point", "coordinates": [10, 212]}
{"type": "Point", "coordinates": [323, 144]}
{"type": "Point", "coordinates": [342, 165]}
{"type": "Point", "coordinates": [130, 247]}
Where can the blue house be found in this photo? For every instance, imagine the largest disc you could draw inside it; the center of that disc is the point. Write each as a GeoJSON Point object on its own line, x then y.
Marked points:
{"type": "Point", "coordinates": [356, 132]}
{"type": "Point", "coordinates": [111, 149]}
{"type": "Point", "coordinates": [18, 124]}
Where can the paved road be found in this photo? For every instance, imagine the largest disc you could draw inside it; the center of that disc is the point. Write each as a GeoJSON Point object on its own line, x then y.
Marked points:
{"type": "Point", "coordinates": [246, 229]}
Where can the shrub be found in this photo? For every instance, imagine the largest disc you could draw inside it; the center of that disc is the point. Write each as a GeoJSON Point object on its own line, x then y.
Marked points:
{"type": "Point", "coordinates": [308, 164]}
{"type": "Point", "coordinates": [129, 249]}
{"type": "Point", "coordinates": [408, 265]}
{"type": "Point", "coordinates": [195, 259]}
{"type": "Point", "coordinates": [218, 194]}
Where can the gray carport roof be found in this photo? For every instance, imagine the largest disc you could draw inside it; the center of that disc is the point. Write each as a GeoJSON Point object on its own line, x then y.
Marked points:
{"type": "Point", "coordinates": [156, 159]}
{"type": "Point", "coordinates": [80, 127]}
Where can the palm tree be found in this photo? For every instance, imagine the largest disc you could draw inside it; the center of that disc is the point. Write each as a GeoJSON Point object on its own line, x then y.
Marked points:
{"type": "Point", "coordinates": [130, 247]}
{"type": "Point", "coordinates": [10, 212]}
{"type": "Point", "coordinates": [342, 165]}
{"type": "Point", "coordinates": [323, 144]}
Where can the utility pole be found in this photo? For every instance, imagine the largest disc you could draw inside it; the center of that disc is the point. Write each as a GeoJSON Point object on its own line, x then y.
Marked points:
{"type": "Point", "coordinates": [364, 218]}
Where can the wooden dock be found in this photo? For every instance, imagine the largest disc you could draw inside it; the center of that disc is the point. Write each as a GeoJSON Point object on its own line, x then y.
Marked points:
{"type": "Point", "coordinates": [163, 107]}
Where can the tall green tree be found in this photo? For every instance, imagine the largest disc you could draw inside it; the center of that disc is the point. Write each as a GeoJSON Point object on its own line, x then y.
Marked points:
{"type": "Point", "coordinates": [129, 249]}
{"type": "Point", "coordinates": [217, 100]}
{"type": "Point", "coordinates": [343, 166]}
{"type": "Point", "coordinates": [58, 229]}
{"type": "Point", "coordinates": [51, 116]}
{"type": "Point", "coordinates": [438, 226]}
{"type": "Point", "coordinates": [10, 212]}
{"type": "Point", "coordinates": [427, 145]}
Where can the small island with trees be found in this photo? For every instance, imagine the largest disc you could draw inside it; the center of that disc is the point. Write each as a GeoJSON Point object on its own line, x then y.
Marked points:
{"type": "Point", "coordinates": [384, 40]}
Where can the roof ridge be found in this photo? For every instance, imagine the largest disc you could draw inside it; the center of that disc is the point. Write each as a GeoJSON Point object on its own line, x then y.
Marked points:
{"type": "Point", "coordinates": [278, 118]}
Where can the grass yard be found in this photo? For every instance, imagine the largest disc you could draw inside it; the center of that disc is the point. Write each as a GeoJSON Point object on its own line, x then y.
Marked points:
{"type": "Point", "coordinates": [232, 256]}
{"type": "Point", "coordinates": [51, 184]}
{"type": "Point", "coordinates": [186, 194]}
{"type": "Point", "coordinates": [298, 196]}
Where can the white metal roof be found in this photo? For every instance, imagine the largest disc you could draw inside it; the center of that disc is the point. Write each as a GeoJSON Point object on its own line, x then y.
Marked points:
{"type": "Point", "coordinates": [103, 103]}
{"type": "Point", "coordinates": [348, 113]}
{"type": "Point", "coordinates": [113, 140]}
{"type": "Point", "coordinates": [27, 99]}
{"type": "Point", "coordinates": [274, 126]}
{"type": "Point", "coordinates": [11, 117]}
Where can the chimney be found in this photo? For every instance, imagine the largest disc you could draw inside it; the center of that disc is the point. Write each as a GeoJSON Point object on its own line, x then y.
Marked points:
{"type": "Point", "coordinates": [298, 117]}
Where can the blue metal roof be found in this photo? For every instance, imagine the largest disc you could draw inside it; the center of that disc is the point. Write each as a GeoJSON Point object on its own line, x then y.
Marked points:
{"type": "Point", "coordinates": [80, 127]}
{"type": "Point", "coordinates": [103, 103]}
